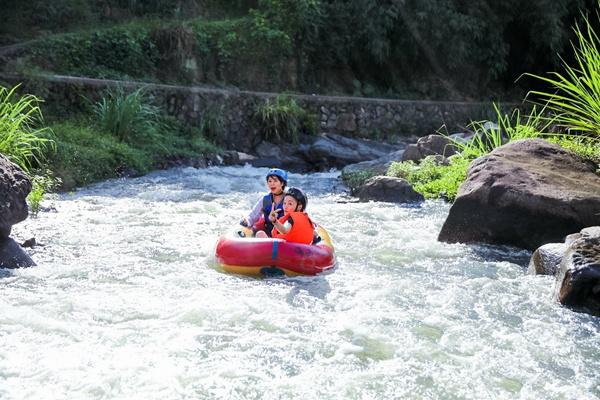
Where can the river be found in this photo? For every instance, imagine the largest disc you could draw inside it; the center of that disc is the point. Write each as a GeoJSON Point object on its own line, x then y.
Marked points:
{"type": "Point", "coordinates": [126, 303]}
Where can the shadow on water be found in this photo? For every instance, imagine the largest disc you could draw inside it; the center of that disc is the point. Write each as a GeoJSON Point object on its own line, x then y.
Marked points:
{"type": "Point", "coordinates": [6, 273]}
{"type": "Point", "coordinates": [495, 253]}
{"type": "Point", "coordinates": [313, 286]}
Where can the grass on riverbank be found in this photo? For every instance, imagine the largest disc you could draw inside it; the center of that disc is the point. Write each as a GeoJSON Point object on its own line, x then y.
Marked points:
{"type": "Point", "coordinates": [85, 154]}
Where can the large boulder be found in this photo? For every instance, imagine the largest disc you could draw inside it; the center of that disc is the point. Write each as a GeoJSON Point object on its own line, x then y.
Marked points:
{"type": "Point", "coordinates": [14, 188]}
{"type": "Point", "coordinates": [390, 189]}
{"type": "Point", "coordinates": [578, 280]}
{"type": "Point", "coordinates": [525, 193]}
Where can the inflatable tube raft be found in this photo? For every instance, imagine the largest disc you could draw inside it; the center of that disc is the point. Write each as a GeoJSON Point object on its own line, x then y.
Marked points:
{"type": "Point", "coordinates": [240, 253]}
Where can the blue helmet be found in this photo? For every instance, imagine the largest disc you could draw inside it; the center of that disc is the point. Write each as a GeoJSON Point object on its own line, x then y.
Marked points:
{"type": "Point", "coordinates": [279, 173]}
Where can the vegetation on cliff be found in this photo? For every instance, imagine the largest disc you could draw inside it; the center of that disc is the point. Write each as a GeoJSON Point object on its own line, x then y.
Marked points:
{"type": "Point", "coordinates": [394, 48]}
{"type": "Point", "coordinates": [569, 117]}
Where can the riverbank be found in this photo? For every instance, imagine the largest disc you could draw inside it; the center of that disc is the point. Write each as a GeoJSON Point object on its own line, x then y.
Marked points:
{"type": "Point", "coordinates": [85, 154]}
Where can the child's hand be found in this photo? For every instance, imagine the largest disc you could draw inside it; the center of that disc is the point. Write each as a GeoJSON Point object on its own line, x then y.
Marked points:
{"type": "Point", "coordinates": [273, 213]}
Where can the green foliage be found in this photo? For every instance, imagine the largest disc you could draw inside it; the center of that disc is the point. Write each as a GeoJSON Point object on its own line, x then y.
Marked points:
{"type": "Point", "coordinates": [355, 180]}
{"type": "Point", "coordinates": [41, 184]}
{"type": "Point", "coordinates": [120, 52]}
{"type": "Point", "coordinates": [212, 124]}
{"type": "Point", "coordinates": [281, 119]}
{"type": "Point", "coordinates": [587, 148]}
{"type": "Point", "coordinates": [86, 154]}
{"type": "Point", "coordinates": [575, 96]}
{"type": "Point", "coordinates": [431, 179]}
{"type": "Point", "coordinates": [128, 117]}
{"type": "Point", "coordinates": [23, 137]}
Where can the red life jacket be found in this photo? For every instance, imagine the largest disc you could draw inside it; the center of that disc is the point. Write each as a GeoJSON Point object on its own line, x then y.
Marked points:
{"type": "Point", "coordinates": [302, 230]}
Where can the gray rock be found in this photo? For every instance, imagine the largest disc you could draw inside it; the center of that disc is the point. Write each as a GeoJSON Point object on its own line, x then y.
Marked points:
{"type": "Point", "coordinates": [13, 256]}
{"type": "Point", "coordinates": [332, 150]}
{"type": "Point", "coordinates": [526, 193]}
{"type": "Point", "coordinates": [14, 188]}
{"type": "Point", "coordinates": [390, 189]}
{"type": "Point", "coordinates": [378, 166]}
{"type": "Point", "coordinates": [578, 280]}
{"type": "Point", "coordinates": [412, 153]}
{"type": "Point", "coordinates": [546, 259]}
{"type": "Point", "coordinates": [429, 145]}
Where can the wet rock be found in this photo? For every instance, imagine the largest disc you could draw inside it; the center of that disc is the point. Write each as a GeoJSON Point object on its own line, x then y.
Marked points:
{"type": "Point", "coordinates": [390, 189]}
{"type": "Point", "coordinates": [29, 243]}
{"type": "Point", "coordinates": [526, 193]}
{"type": "Point", "coordinates": [14, 188]}
{"type": "Point", "coordinates": [332, 150]}
{"type": "Point", "coordinates": [13, 256]}
{"type": "Point", "coordinates": [378, 166]}
{"type": "Point", "coordinates": [546, 259]}
{"type": "Point", "coordinates": [286, 156]}
{"type": "Point", "coordinates": [578, 280]}
{"type": "Point", "coordinates": [429, 145]}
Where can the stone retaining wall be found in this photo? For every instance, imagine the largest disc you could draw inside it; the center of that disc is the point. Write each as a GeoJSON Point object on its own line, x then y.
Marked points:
{"type": "Point", "coordinates": [351, 116]}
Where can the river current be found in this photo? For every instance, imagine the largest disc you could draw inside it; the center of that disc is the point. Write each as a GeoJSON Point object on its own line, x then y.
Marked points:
{"type": "Point", "coordinates": [126, 303]}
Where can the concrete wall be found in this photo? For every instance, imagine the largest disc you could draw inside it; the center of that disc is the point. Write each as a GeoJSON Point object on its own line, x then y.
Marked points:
{"type": "Point", "coordinates": [379, 119]}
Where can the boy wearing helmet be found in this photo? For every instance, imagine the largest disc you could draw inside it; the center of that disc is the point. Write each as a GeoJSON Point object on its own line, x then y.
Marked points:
{"type": "Point", "coordinates": [276, 182]}
{"type": "Point", "coordinates": [295, 226]}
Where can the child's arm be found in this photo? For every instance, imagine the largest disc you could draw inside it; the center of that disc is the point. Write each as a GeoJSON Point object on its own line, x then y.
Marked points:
{"type": "Point", "coordinates": [281, 227]}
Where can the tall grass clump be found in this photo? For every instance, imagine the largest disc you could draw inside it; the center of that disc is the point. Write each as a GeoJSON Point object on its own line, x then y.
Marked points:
{"type": "Point", "coordinates": [510, 127]}
{"type": "Point", "coordinates": [282, 120]}
{"type": "Point", "coordinates": [212, 123]}
{"type": "Point", "coordinates": [23, 137]}
{"type": "Point", "coordinates": [128, 117]}
{"type": "Point", "coordinates": [575, 96]}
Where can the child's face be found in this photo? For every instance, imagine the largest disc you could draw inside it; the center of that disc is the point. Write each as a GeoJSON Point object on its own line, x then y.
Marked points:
{"type": "Point", "coordinates": [290, 204]}
{"type": "Point", "coordinates": [274, 185]}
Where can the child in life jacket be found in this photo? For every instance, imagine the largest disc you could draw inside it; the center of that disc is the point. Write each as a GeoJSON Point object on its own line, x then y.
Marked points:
{"type": "Point", "coordinates": [295, 226]}
{"type": "Point", "coordinates": [276, 182]}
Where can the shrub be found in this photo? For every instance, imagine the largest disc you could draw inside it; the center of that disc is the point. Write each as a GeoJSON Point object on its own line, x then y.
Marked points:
{"type": "Point", "coordinates": [431, 179]}
{"type": "Point", "coordinates": [212, 123]}
{"type": "Point", "coordinates": [126, 116]}
{"type": "Point", "coordinates": [41, 184]}
{"type": "Point", "coordinates": [281, 119]}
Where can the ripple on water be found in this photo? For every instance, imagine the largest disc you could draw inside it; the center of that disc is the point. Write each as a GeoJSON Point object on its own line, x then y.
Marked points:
{"type": "Point", "coordinates": [125, 304]}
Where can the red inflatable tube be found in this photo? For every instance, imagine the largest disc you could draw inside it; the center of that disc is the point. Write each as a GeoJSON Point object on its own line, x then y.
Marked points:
{"type": "Point", "coordinates": [256, 253]}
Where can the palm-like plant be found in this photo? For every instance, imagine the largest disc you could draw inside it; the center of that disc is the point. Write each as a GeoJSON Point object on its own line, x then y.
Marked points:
{"type": "Point", "coordinates": [575, 103]}
{"type": "Point", "coordinates": [23, 138]}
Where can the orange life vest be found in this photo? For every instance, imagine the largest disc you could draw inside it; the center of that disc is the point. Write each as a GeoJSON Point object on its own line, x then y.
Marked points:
{"type": "Point", "coordinates": [302, 229]}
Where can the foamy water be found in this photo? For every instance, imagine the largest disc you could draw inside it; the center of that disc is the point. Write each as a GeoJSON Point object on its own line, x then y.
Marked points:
{"type": "Point", "coordinates": [125, 303]}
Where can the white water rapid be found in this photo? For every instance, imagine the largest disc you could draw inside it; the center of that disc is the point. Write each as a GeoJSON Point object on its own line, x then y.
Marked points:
{"type": "Point", "coordinates": [125, 303]}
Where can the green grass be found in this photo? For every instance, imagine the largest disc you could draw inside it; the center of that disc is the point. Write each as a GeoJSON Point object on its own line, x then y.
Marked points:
{"type": "Point", "coordinates": [86, 154]}
{"type": "Point", "coordinates": [23, 137]}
